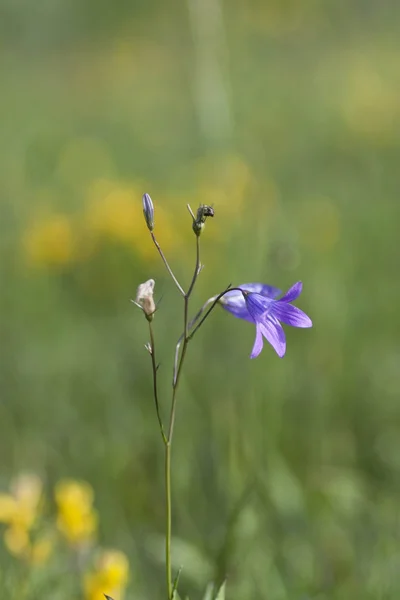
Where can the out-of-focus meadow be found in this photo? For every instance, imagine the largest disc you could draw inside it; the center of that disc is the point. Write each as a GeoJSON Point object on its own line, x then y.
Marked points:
{"type": "Point", "coordinates": [285, 116]}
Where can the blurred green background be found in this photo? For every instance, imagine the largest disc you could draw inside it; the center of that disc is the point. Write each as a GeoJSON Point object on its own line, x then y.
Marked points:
{"type": "Point", "coordinates": [284, 115]}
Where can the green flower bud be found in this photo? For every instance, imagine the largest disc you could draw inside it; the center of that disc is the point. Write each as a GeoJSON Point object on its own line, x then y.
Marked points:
{"type": "Point", "coordinates": [203, 212]}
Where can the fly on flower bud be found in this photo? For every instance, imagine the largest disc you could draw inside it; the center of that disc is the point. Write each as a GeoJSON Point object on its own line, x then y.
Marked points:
{"type": "Point", "coordinates": [207, 211]}
{"type": "Point", "coordinates": [203, 212]}
{"type": "Point", "coordinates": [148, 211]}
{"type": "Point", "coordinates": [145, 300]}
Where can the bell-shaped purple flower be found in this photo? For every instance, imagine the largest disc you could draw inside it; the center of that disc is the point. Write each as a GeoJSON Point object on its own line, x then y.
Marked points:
{"type": "Point", "coordinates": [257, 303]}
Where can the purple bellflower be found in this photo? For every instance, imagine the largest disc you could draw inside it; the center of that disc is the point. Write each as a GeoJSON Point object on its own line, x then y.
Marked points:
{"type": "Point", "coordinates": [257, 303]}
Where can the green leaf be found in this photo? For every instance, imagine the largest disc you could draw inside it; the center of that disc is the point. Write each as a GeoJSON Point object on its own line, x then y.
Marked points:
{"type": "Point", "coordinates": [209, 593]}
{"type": "Point", "coordinates": [175, 595]}
{"type": "Point", "coordinates": [221, 593]}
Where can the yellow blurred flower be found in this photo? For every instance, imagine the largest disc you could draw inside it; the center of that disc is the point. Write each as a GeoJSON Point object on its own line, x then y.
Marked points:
{"type": "Point", "coordinates": [49, 241]}
{"type": "Point", "coordinates": [115, 212]}
{"type": "Point", "coordinates": [17, 541]}
{"type": "Point", "coordinates": [20, 510]}
{"type": "Point", "coordinates": [21, 506]}
{"type": "Point", "coordinates": [110, 576]}
{"type": "Point", "coordinates": [117, 215]}
{"type": "Point", "coordinates": [76, 519]}
{"type": "Point", "coordinates": [7, 507]}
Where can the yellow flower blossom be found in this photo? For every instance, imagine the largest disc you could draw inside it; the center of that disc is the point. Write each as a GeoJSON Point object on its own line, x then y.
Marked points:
{"type": "Point", "coordinates": [27, 490]}
{"type": "Point", "coordinates": [17, 541]}
{"type": "Point", "coordinates": [116, 216]}
{"type": "Point", "coordinates": [19, 544]}
{"type": "Point", "coordinates": [7, 507]}
{"type": "Point", "coordinates": [49, 241]}
{"type": "Point", "coordinates": [110, 576]}
{"type": "Point", "coordinates": [114, 212]}
{"type": "Point", "coordinates": [20, 510]}
{"type": "Point", "coordinates": [77, 519]}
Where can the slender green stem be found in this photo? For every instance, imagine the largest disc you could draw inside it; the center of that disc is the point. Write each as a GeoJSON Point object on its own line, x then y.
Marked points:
{"type": "Point", "coordinates": [196, 272]}
{"type": "Point", "coordinates": [168, 443]}
{"type": "Point", "coordinates": [167, 447]}
{"type": "Point", "coordinates": [168, 532]}
{"type": "Point", "coordinates": [161, 253]}
{"type": "Point", "coordinates": [155, 387]}
{"type": "Point", "coordinates": [213, 305]}
{"type": "Point", "coordinates": [191, 324]}
{"type": "Point", "coordinates": [178, 369]}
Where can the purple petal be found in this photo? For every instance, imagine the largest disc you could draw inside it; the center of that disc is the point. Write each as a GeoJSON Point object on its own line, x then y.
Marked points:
{"type": "Point", "coordinates": [234, 303]}
{"type": "Point", "coordinates": [269, 291]}
{"type": "Point", "coordinates": [273, 332]}
{"type": "Point", "coordinates": [258, 305]}
{"type": "Point", "coordinates": [240, 312]}
{"type": "Point", "coordinates": [258, 342]}
{"type": "Point", "coordinates": [293, 293]}
{"type": "Point", "coordinates": [263, 289]}
{"type": "Point", "coordinates": [233, 295]}
{"type": "Point", "coordinates": [291, 315]}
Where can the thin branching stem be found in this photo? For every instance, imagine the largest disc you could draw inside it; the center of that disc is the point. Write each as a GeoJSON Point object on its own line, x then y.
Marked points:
{"type": "Point", "coordinates": [161, 253]}
{"type": "Point", "coordinates": [179, 360]}
{"type": "Point", "coordinates": [213, 305]}
{"type": "Point", "coordinates": [168, 516]}
{"type": "Point", "coordinates": [185, 340]}
{"type": "Point", "coordinates": [155, 387]}
{"type": "Point", "coordinates": [190, 325]}
{"type": "Point", "coordinates": [196, 272]}
{"type": "Point", "coordinates": [180, 354]}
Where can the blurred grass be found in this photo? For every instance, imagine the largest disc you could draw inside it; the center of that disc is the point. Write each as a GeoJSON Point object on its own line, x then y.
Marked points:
{"type": "Point", "coordinates": [285, 116]}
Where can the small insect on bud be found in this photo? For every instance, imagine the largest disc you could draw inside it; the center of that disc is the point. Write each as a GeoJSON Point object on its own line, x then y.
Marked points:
{"type": "Point", "coordinates": [203, 212]}
{"type": "Point", "coordinates": [145, 300]}
{"type": "Point", "coordinates": [148, 211]}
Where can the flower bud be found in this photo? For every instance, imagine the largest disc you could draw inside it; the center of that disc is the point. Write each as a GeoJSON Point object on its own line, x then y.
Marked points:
{"type": "Point", "coordinates": [203, 212]}
{"type": "Point", "coordinates": [148, 211]}
{"type": "Point", "coordinates": [145, 300]}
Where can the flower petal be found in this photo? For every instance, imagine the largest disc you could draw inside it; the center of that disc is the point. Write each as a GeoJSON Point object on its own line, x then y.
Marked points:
{"type": "Point", "coordinates": [258, 306]}
{"type": "Point", "coordinates": [293, 293]}
{"type": "Point", "coordinates": [291, 315]}
{"type": "Point", "coordinates": [258, 343]}
{"type": "Point", "coordinates": [236, 305]}
{"type": "Point", "coordinates": [274, 334]}
{"type": "Point", "coordinates": [269, 291]}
